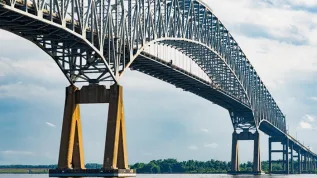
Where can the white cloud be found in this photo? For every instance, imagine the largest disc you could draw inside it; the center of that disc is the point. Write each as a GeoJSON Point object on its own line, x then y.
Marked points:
{"type": "Point", "coordinates": [192, 147]}
{"type": "Point", "coordinates": [279, 21]}
{"type": "Point", "coordinates": [285, 60]}
{"type": "Point", "coordinates": [313, 98]}
{"type": "Point", "coordinates": [211, 145]}
{"type": "Point", "coordinates": [50, 124]}
{"type": "Point", "coordinates": [28, 92]}
{"type": "Point", "coordinates": [39, 69]}
{"type": "Point", "coordinates": [305, 125]}
{"type": "Point", "coordinates": [310, 118]}
{"type": "Point", "coordinates": [305, 3]}
{"type": "Point", "coordinates": [12, 152]}
{"type": "Point", "coordinates": [204, 130]}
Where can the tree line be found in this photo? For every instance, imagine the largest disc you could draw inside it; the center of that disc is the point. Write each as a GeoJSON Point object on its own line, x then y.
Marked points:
{"type": "Point", "coordinates": [193, 166]}
{"type": "Point", "coordinates": [169, 166]}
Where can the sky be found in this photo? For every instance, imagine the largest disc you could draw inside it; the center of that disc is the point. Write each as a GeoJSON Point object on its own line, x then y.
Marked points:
{"type": "Point", "coordinates": [162, 121]}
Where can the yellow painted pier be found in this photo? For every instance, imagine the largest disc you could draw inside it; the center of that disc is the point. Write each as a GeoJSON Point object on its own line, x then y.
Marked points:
{"type": "Point", "coordinates": [71, 154]}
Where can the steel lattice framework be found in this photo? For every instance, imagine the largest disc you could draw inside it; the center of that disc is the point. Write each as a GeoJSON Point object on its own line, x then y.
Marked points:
{"type": "Point", "coordinates": [95, 41]}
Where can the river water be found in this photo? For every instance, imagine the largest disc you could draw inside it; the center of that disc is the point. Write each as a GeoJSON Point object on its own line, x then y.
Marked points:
{"type": "Point", "coordinates": [174, 176]}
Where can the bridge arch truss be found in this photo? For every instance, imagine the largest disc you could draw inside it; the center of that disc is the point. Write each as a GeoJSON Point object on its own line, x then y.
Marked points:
{"type": "Point", "coordinates": [95, 41]}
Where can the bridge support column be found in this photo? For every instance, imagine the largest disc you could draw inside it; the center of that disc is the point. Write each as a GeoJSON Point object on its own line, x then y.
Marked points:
{"type": "Point", "coordinates": [256, 153]}
{"type": "Point", "coordinates": [270, 155]}
{"type": "Point", "coordinates": [71, 153]}
{"type": "Point", "coordinates": [235, 153]}
{"type": "Point", "coordinates": [284, 155]}
{"type": "Point", "coordinates": [299, 161]}
{"type": "Point", "coordinates": [311, 163]}
{"type": "Point", "coordinates": [115, 156]}
{"type": "Point", "coordinates": [71, 156]}
{"type": "Point", "coordinates": [305, 162]}
{"type": "Point", "coordinates": [286, 152]}
{"type": "Point", "coordinates": [292, 158]}
{"type": "Point", "coordinates": [245, 135]}
{"type": "Point", "coordinates": [308, 163]}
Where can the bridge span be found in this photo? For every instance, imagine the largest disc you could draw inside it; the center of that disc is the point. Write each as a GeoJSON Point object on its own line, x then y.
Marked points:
{"type": "Point", "coordinates": [95, 41]}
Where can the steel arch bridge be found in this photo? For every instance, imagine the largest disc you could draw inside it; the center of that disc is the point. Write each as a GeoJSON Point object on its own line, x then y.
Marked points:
{"type": "Point", "coordinates": [95, 41]}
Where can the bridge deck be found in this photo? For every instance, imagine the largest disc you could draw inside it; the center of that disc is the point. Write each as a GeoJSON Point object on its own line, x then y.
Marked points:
{"type": "Point", "coordinates": [180, 78]}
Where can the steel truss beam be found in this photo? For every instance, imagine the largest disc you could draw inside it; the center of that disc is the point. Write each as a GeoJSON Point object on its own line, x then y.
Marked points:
{"type": "Point", "coordinates": [96, 40]}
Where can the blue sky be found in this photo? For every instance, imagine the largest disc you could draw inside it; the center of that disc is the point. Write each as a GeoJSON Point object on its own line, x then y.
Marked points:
{"type": "Point", "coordinates": [280, 40]}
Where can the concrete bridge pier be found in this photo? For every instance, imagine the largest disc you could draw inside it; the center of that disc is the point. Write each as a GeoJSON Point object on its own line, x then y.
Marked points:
{"type": "Point", "coordinates": [235, 153]}
{"type": "Point", "coordinates": [286, 151]}
{"type": "Point", "coordinates": [256, 153]}
{"type": "Point", "coordinates": [311, 163]}
{"type": "Point", "coordinates": [305, 162]}
{"type": "Point", "coordinates": [285, 154]}
{"type": "Point", "coordinates": [116, 156]}
{"type": "Point", "coordinates": [245, 135]}
{"type": "Point", "coordinates": [292, 158]}
{"type": "Point", "coordinates": [299, 161]}
{"type": "Point", "coordinates": [71, 155]}
{"type": "Point", "coordinates": [308, 163]}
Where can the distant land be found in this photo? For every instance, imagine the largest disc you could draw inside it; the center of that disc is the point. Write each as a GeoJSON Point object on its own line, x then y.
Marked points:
{"type": "Point", "coordinates": [153, 167]}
